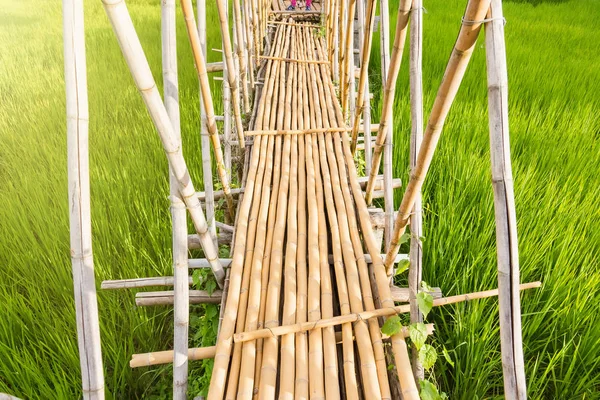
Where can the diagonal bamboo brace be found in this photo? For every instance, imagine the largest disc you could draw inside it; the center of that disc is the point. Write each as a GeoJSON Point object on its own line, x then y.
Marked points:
{"type": "Point", "coordinates": [381, 312]}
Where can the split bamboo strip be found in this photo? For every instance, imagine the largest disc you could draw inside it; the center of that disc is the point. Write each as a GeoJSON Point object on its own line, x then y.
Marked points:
{"type": "Point", "coordinates": [415, 270]}
{"type": "Point", "coordinates": [381, 312]}
{"type": "Point", "coordinates": [511, 341]}
{"type": "Point", "coordinates": [140, 69]}
{"type": "Point", "coordinates": [231, 73]}
{"type": "Point", "coordinates": [407, 383]}
{"type": "Point", "coordinates": [80, 225]}
{"type": "Point", "coordinates": [359, 259]}
{"type": "Point", "coordinates": [459, 59]}
{"type": "Point", "coordinates": [178, 214]}
{"type": "Point", "coordinates": [386, 121]}
{"type": "Point", "coordinates": [211, 125]}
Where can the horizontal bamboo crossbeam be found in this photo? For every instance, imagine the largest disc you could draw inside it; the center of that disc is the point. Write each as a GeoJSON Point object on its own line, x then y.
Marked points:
{"type": "Point", "coordinates": [203, 353]}
{"type": "Point", "coordinates": [138, 282]}
{"type": "Point", "coordinates": [214, 67]}
{"type": "Point", "coordinates": [348, 318]}
{"type": "Point", "coordinates": [302, 131]}
{"type": "Point", "coordinates": [166, 298]}
{"type": "Point", "coordinates": [293, 24]}
{"type": "Point", "coordinates": [293, 60]}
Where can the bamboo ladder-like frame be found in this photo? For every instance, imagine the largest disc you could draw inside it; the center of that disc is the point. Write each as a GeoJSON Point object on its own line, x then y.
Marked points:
{"type": "Point", "coordinates": [293, 157]}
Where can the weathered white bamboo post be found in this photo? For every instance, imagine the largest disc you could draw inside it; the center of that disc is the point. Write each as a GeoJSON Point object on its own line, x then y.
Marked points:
{"type": "Point", "coordinates": [117, 12]}
{"type": "Point", "coordinates": [415, 270]}
{"type": "Point", "coordinates": [388, 191]}
{"type": "Point", "coordinates": [511, 340]}
{"type": "Point", "coordinates": [231, 75]}
{"type": "Point", "coordinates": [80, 224]}
{"type": "Point", "coordinates": [227, 115]}
{"type": "Point", "coordinates": [181, 306]}
{"type": "Point", "coordinates": [207, 175]}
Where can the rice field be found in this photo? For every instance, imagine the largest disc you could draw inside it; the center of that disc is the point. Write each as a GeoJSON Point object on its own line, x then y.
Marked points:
{"type": "Point", "coordinates": [554, 80]}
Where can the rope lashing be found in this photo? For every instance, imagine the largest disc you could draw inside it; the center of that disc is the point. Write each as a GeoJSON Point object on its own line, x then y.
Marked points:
{"type": "Point", "coordinates": [468, 22]}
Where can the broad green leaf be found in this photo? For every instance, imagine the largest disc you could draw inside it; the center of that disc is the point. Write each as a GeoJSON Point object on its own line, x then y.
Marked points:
{"type": "Point", "coordinates": [447, 357]}
{"type": "Point", "coordinates": [211, 285]}
{"type": "Point", "coordinates": [428, 391]}
{"type": "Point", "coordinates": [392, 325]}
{"type": "Point", "coordinates": [196, 277]}
{"type": "Point", "coordinates": [418, 334]}
{"type": "Point", "coordinates": [402, 266]}
{"type": "Point", "coordinates": [425, 302]}
{"type": "Point", "coordinates": [404, 238]}
{"type": "Point", "coordinates": [427, 356]}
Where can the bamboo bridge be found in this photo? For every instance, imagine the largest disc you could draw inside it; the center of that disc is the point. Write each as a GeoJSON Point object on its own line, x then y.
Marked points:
{"type": "Point", "coordinates": [307, 288]}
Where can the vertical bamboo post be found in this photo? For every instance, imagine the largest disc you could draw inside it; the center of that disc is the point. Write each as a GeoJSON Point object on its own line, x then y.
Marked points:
{"type": "Point", "coordinates": [80, 224]}
{"type": "Point", "coordinates": [388, 191]}
{"type": "Point", "coordinates": [455, 71]}
{"type": "Point", "coordinates": [227, 115]}
{"type": "Point", "coordinates": [239, 47]}
{"type": "Point", "coordinates": [228, 53]}
{"type": "Point", "coordinates": [178, 213]}
{"type": "Point", "coordinates": [415, 271]}
{"type": "Point", "coordinates": [144, 81]}
{"type": "Point", "coordinates": [511, 340]}
{"type": "Point", "coordinates": [348, 57]}
{"type": "Point", "coordinates": [207, 175]}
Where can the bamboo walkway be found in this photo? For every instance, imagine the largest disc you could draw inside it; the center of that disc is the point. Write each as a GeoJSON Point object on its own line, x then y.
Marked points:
{"type": "Point", "coordinates": [302, 199]}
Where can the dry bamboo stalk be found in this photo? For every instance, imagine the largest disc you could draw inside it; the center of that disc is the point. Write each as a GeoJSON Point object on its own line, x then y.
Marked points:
{"type": "Point", "coordinates": [303, 131]}
{"type": "Point", "coordinates": [381, 312]}
{"type": "Point", "coordinates": [288, 348]}
{"type": "Point", "coordinates": [386, 121]}
{"type": "Point", "coordinates": [86, 304]}
{"type": "Point", "coordinates": [224, 343]}
{"type": "Point", "coordinates": [224, 25]}
{"type": "Point", "coordinates": [511, 341]}
{"type": "Point", "coordinates": [343, 253]}
{"type": "Point", "coordinates": [200, 63]}
{"type": "Point", "coordinates": [138, 65]}
{"type": "Point", "coordinates": [364, 68]}
{"type": "Point", "coordinates": [382, 282]}
{"type": "Point", "coordinates": [178, 214]}
{"type": "Point", "coordinates": [139, 282]}
{"type": "Point", "coordinates": [359, 259]}
{"type": "Point", "coordinates": [270, 346]}
{"type": "Point", "coordinates": [415, 271]}
{"type": "Point", "coordinates": [250, 261]}
{"type": "Point", "coordinates": [347, 73]}
{"type": "Point", "coordinates": [203, 353]}
{"type": "Point", "coordinates": [461, 54]}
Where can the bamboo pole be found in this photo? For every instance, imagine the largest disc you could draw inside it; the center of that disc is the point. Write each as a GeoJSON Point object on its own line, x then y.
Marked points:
{"type": "Point", "coordinates": [203, 353]}
{"type": "Point", "coordinates": [459, 59]}
{"type": "Point", "coordinates": [359, 260]}
{"type": "Point", "coordinates": [178, 213]}
{"type": "Point", "coordinates": [227, 51]}
{"type": "Point", "coordinates": [364, 106]}
{"type": "Point", "coordinates": [294, 60]}
{"type": "Point", "coordinates": [365, 315]}
{"type": "Point", "coordinates": [227, 114]}
{"type": "Point", "coordinates": [415, 271]}
{"type": "Point", "coordinates": [240, 50]}
{"type": "Point", "coordinates": [303, 131]}
{"type": "Point", "coordinates": [207, 102]}
{"type": "Point", "coordinates": [386, 121]}
{"type": "Point", "coordinates": [511, 341]}
{"type": "Point", "coordinates": [80, 225]}
{"type": "Point", "coordinates": [143, 299]}
{"type": "Point", "coordinates": [367, 43]}
{"type": "Point", "coordinates": [407, 383]}
{"type": "Point", "coordinates": [347, 73]}
{"type": "Point", "coordinates": [207, 175]}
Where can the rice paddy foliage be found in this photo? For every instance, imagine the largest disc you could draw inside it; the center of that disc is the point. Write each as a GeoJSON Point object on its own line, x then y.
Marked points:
{"type": "Point", "coordinates": [553, 51]}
